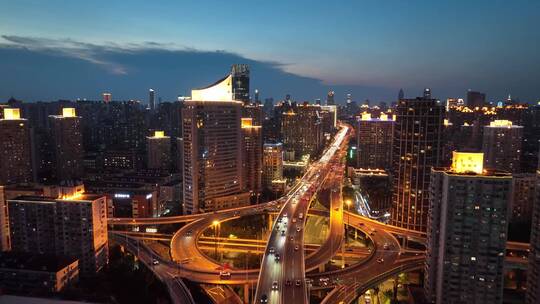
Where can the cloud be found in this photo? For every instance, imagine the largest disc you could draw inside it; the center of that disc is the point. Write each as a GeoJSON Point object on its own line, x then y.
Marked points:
{"type": "Point", "coordinates": [70, 48]}
{"type": "Point", "coordinates": [49, 69]}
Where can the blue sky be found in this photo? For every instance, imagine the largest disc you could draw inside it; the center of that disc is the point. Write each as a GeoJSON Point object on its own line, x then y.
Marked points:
{"type": "Point", "coordinates": [370, 48]}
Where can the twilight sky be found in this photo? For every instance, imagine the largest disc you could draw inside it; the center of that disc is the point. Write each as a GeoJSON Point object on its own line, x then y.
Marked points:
{"type": "Point", "coordinates": [67, 49]}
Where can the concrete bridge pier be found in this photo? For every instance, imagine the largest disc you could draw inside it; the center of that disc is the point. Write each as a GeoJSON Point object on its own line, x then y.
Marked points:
{"type": "Point", "coordinates": [270, 222]}
{"type": "Point", "coordinates": [246, 293]}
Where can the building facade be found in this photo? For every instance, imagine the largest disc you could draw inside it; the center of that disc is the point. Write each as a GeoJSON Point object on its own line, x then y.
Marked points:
{"type": "Point", "coordinates": [501, 145]}
{"type": "Point", "coordinates": [467, 233]}
{"type": "Point", "coordinates": [533, 269]}
{"type": "Point", "coordinates": [374, 138]}
{"type": "Point", "coordinates": [75, 225]}
{"type": "Point", "coordinates": [272, 164]}
{"type": "Point", "coordinates": [240, 82]}
{"type": "Point", "coordinates": [212, 153]}
{"type": "Point", "coordinates": [301, 129]}
{"type": "Point", "coordinates": [252, 156]}
{"type": "Point", "coordinates": [68, 151]}
{"type": "Point", "coordinates": [417, 148]}
{"type": "Point", "coordinates": [158, 148]}
{"type": "Point", "coordinates": [15, 155]}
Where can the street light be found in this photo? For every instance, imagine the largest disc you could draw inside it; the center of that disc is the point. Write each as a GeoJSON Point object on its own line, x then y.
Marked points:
{"type": "Point", "coordinates": [348, 203]}
{"type": "Point", "coordinates": [215, 223]}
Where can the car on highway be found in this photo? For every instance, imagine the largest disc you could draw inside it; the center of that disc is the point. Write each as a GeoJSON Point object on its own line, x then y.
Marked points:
{"type": "Point", "coordinates": [264, 298]}
{"type": "Point", "coordinates": [298, 283]}
{"type": "Point", "coordinates": [288, 283]}
{"type": "Point", "coordinates": [324, 281]}
{"type": "Point", "coordinates": [155, 262]}
{"type": "Point", "coordinates": [298, 229]}
{"type": "Point", "coordinates": [275, 285]}
{"type": "Point", "coordinates": [296, 247]}
{"type": "Point", "coordinates": [294, 220]}
{"type": "Point", "coordinates": [272, 250]}
{"type": "Point", "coordinates": [386, 246]}
{"type": "Point", "coordinates": [301, 215]}
{"type": "Point", "coordinates": [285, 214]}
{"type": "Point", "coordinates": [224, 275]}
{"type": "Point", "coordinates": [277, 257]}
{"type": "Point", "coordinates": [279, 220]}
{"type": "Point", "coordinates": [380, 260]}
{"type": "Point", "coordinates": [282, 232]}
{"type": "Point", "coordinates": [291, 238]}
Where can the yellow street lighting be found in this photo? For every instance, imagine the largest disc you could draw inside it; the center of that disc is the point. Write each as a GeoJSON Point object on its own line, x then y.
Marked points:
{"type": "Point", "coordinates": [215, 222]}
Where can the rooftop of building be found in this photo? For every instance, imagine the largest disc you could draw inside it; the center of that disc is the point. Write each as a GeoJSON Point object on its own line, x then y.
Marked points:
{"type": "Point", "coordinates": [470, 164]}
{"type": "Point", "coordinates": [85, 197]}
{"type": "Point", "coordinates": [34, 261]}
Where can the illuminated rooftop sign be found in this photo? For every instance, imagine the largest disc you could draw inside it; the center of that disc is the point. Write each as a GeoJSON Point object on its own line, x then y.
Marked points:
{"type": "Point", "coordinates": [247, 122]}
{"type": "Point", "coordinates": [500, 123]}
{"type": "Point", "coordinates": [159, 134]}
{"type": "Point", "coordinates": [12, 114]}
{"type": "Point", "coordinates": [219, 91]}
{"type": "Point", "coordinates": [467, 162]}
{"type": "Point", "coordinates": [68, 112]}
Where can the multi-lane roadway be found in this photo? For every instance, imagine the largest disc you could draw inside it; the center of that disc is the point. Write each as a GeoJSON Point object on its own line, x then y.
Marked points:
{"type": "Point", "coordinates": [282, 274]}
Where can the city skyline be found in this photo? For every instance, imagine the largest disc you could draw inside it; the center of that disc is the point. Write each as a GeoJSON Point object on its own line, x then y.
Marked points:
{"type": "Point", "coordinates": [368, 50]}
{"type": "Point", "coordinates": [269, 153]}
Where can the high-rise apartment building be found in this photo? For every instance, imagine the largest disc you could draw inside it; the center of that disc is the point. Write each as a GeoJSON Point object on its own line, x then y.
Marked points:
{"type": "Point", "coordinates": [255, 112]}
{"type": "Point", "coordinates": [523, 197]}
{"type": "Point", "coordinates": [533, 269]}
{"type": "Point", "coordinates": [67, 145]}
{"type": "Point", "coordinates": [158, 148]}
{"type": "Point", "coordinates": [272, 163]}
{"type": "Point", "coordinates": [330, 100]}
{"type": "Point", "coordinates": [252, 156]}
{"type": "Point", "coordinates": [75, 225]}
{"type": "Point", "coordinates": [301, 128]}
{"type": "Point", "coordinates": [417, 148]}
{"type": "Point", "coordinates": [240, 82]}
{"type": "Point", "coordinates": [212, 149]}
{"type": "Point", "coordinates": [501, 145]}
{"type": "Point", "coordinates": [15, 154]}
{"type": "Point", "coordinates": [152, 100]}
{"type": "Point", "coordinates": [475, 99]}
{"type": "Point", "coordinates": [374, 138]}
{"type": "Point", "coordinates": [467, 232]}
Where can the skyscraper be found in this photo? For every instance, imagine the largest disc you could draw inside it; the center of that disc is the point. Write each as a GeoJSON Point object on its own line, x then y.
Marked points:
{"type": "Point", "coordinates": [475, 99]}
{"type": "Point", "coordinates": [330, 101]}
{"type": "Point", "coordinates": [107, 97]}
{"type": "Point", "coordinates": [374, 138]}
{"type": "Point", "coordinates": [252, 156]}
{"type": "Point", "coordinates": [501, 145]}
{"type": "Point", "coordinates": [152, 100]}
{"type": "Point", "coordinates": [240, 82]}
{"type": "Point", "coordinates": [15, 159]}
{"type": "Point", "coordinates": [466, 237]}
{"type": "Point", "coordinates": [401, 95]}
{"type": "Point", "coordinates": [257, 100]}
{"type": "Point", "coordinates": [417, 148]}
{"type": "Point", "coordinates": [212, 150]}
{"type": "Point", "coordinates": [533, 269]}
{"type": "Point", "coordinates": [272, 163]}
{"type": "Point", "coordinates": [158, 148]}
{"type": "Point", "coordinates": [75, 225]}
{"type": "Point", "coordinates": [67, 145]}
{"type": "Point", "coordinates": [301, 128]}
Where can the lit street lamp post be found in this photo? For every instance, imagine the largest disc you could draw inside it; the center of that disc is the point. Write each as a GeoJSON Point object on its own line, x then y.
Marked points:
{"type": "Point", "coordinates": [215, 223]}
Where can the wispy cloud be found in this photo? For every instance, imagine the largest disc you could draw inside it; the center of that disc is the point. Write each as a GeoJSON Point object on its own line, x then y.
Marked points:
{"type": "Point", "coordinates": [97, 53]}
{"type": "Point", "coordinates": [92, 53]}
